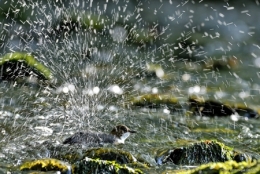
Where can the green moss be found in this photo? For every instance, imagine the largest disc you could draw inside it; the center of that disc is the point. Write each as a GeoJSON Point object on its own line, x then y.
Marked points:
{"type": "Point", "coordinates": [215, 130]}
{"type": "Point", "coordinates": [224, 168]}
{"type": "Point", "coordinates": [199, 153]}
{"type": "Point", "coordinates": [28, 60]}
{"type": "Point", "coordinates": [71, 157]}
{"type": "Point", "coordinates": [45, 165]}
{"type": "Point", "coordinates": [226, 150]}
{"type": "Point", "coordinates": [156, 100]}
{"type": "Point", "coordinates": [89, 165]}
{"type": "Point", "coordinates": [110, 154]}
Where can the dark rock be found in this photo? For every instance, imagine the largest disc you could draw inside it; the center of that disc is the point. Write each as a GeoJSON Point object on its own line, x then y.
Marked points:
{"type": "Point", "coordinates": [246, 112]}
{"type": "Point", "coordinates": [17, 65]}
{"type": "Point", "coordinates": [200, 153]}
{"type": "Point", "coordinates": [210, 108]}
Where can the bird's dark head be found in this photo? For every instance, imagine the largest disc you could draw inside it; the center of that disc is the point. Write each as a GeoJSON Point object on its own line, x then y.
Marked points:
{"type": "Point", "coordinates": [121, 132]}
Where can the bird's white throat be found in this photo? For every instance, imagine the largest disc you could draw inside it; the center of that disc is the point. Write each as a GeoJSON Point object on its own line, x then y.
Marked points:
{"type": "Point", "coordinates": [122, 139]}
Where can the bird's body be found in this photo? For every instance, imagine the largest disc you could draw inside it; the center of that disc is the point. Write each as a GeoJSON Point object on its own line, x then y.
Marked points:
{"type": "Point", "coordinates": [117, 136]}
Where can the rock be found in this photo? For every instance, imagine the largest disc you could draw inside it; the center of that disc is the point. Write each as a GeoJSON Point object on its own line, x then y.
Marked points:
{"type": "Point", "coordinates": [156, 101]}
{"type": "Point", "coordinates": [246, 112]}
{"type": "Point", "coordinates": [88, 165]}
{"type": "Point", "coordinates": [18, 65]}
{"type": "Point", "coordinates": [209, 108]}
{"type": "Point", "coordinates": [224, 167]}
{"type": "Point", "coordinates": [120, 156]}
{"type": "Point", "coordinates": [201, 153]}
{"type": "Point", "coordinates": [47, 165]}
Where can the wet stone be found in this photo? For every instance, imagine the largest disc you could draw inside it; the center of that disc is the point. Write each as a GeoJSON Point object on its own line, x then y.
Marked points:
{"type": "Point", "coordinates": [156, 101]}
{"type": "Point", "coordinates": [200, 153]}
{"type": "Point", "coordinates": [121, 157]}
{"type": "Point", "coordinates": [89, 165]}
{"type": "Point", "coordinates": [18, 65]}
{"type": "Point", "coordinates": [210, 108]}
{"type": "Point", "coordinates": [224, 167]}
{"type": "Point", "coordinates": [46, 165]}
{"type": "Point", "coordinates": [246, 112]}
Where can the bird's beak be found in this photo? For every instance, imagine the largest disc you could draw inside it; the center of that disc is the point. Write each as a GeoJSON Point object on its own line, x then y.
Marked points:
{"type": "Point", "coordinates": [132, 131]}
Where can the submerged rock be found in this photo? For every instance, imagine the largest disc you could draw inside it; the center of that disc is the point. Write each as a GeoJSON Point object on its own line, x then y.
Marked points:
{"type": "Point", "coordinates": [16, 65]}
{"type": "Point", "coordinates": [201, 153]}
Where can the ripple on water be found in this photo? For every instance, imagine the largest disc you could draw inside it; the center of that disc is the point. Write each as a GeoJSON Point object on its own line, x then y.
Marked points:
{"type": "Point", "coordinates": [43, 131]}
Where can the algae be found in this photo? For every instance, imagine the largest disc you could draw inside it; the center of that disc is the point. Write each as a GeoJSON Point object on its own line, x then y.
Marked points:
{"type": "Point", "coordinates": [231, 167]}
{"type": "Point", "coordinates": [89, 165]}
{"type": "Point", "coordinates": [46, 165]}
{"type": "Point", "coordinates": [156, 101]}
{"type": "Point", "coordinates": [198, 153]}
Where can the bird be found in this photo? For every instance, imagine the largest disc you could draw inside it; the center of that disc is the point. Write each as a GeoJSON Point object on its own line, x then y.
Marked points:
{"type": "Point", "coordinates": [118, 135]}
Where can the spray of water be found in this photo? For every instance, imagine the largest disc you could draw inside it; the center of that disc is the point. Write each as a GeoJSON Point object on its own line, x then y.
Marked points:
{"type": "Point", "coordinates": [104, 53]}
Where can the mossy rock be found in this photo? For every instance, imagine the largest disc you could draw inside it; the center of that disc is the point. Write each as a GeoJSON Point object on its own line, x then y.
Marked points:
{"type": "Point", "coordinates": [215, 130]}
{"type": "Point", "coordinates": [212, 108]}
{"type": "Point", "coordinates": [200, 153]}
{"type": "Point", "coordinates": [209, 107]}
{"type": "Point", "coordinates": [86, 165]}
{"type": "Point", "coordinates": [231, 167]}
{"type": "Point", "coordinates": [74, 154]}
{"type": "Point", "coordinates": [15, 65]}
{"type": "Point", "coordinates": [46, 165]}
{"type": "Point", "coordinates": [110, 154]}
{"type": "Point", "coordinates": [156, 101]}
{"type": "Point", "coordinates": [89, 165]}
{"type": "Point", "coordinates": [245, 111]}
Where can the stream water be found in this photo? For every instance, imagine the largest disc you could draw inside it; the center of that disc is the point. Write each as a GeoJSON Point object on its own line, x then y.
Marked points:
{"type": "Point", "coordinates": [97, 73]}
